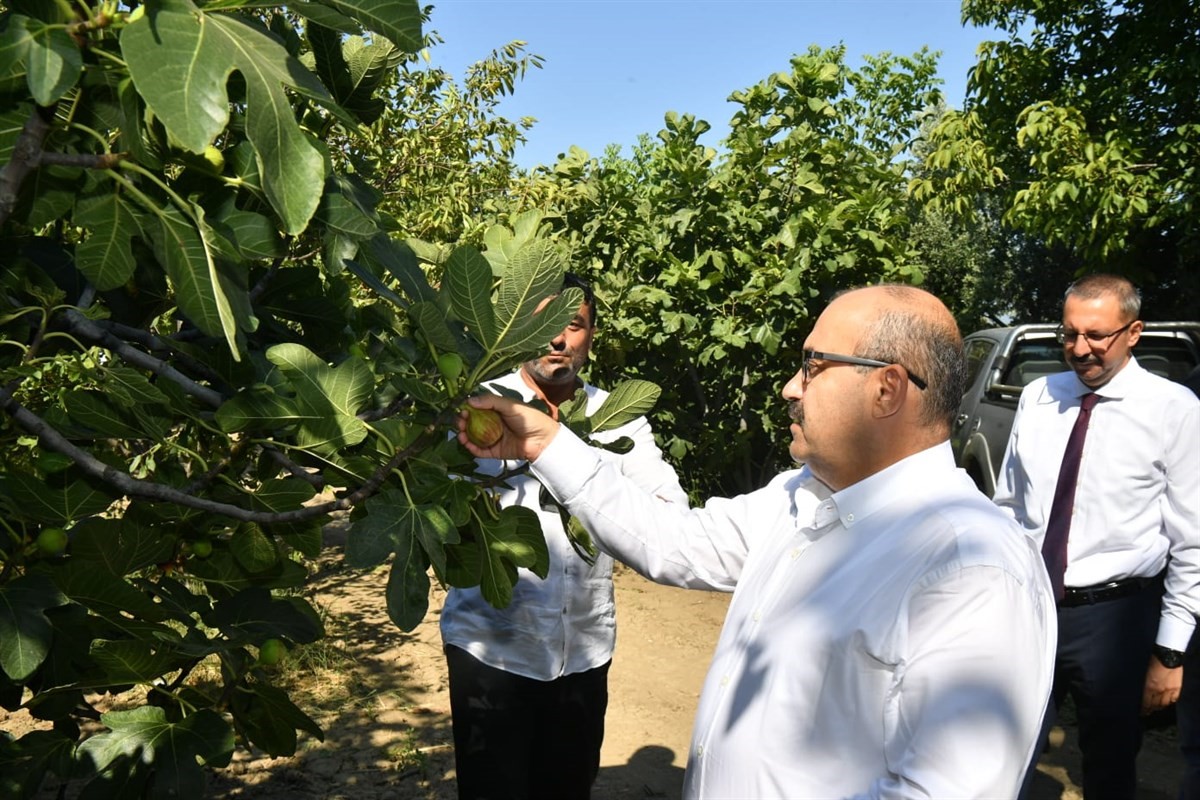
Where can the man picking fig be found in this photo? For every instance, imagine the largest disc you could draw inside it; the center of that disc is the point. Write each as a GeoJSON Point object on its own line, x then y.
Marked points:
{"type": "Point", "coordinates": [891, 633]}
{"type": "Point", "coordinates": [529, 683]}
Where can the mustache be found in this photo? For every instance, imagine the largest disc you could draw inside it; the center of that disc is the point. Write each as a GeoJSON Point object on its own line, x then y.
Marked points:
{"type": "Point", "coordinates": [796, 411]}
{"type": "Point", "coordinates": [1090, 358]}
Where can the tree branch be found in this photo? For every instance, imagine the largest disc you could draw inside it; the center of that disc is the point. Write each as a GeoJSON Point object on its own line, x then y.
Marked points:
{"type": "Point", "coordinates": [104, 336]}
{"type": "Point", "coordinates": [146, 490]}
{"type": "Point", "coordinates": [27, 154]}
{"type": "Point", "coordinates": [156, 344]}
{"type": "Point", "coordinates": [85, 328]}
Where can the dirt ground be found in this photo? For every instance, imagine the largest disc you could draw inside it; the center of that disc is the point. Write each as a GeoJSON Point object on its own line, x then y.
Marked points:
{"type": "Point", "coordinates": [380, 694]}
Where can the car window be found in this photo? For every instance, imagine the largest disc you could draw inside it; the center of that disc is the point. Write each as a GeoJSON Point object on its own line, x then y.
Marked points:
{"type": "Point", "coordinates": [1163, 354]}
{"type": "Point", "coordinates": [1169, 357]}
{"type": "Point", "coordinates": [1033, 359]}
{"type": "Point", "coordinates": [978, 352]}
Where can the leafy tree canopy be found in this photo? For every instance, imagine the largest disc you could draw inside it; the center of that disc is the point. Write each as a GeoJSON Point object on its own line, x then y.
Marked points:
{"type": "Point", "coordinates": [711, 267]}
{"type": "Point", "coordinates": [1085, 124]}
{"type": "Point", "coordinates": [211, 339]}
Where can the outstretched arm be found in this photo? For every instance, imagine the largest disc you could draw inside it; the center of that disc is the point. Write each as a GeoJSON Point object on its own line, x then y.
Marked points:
{"type": "Point", "coordinates": [664, 541]}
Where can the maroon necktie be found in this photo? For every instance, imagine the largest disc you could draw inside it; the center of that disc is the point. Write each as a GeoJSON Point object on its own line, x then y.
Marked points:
{"type": "Point", "coordinates": [1054, 545]}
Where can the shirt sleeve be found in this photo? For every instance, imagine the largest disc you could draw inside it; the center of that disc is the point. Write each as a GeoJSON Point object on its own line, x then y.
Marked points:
{"type": "Point", "coordinates": [1180, 505]}
{"type": "Point", "coordinates": [645, 465]}
{"type": "Point", "coordinates": [664, 541]}
{"type": "Point", "coordinates": [1012, 478]}
{"type": "Point", "coordinates": [961, 695]}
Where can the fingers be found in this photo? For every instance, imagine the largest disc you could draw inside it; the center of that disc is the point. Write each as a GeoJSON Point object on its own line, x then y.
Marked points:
{"type": "Point", "coordinates": [1162, 687]}
{"type": "Point", "coordinates": [524, 431]}
{"type": "Point", "coordinates": [489, 400]}
{"type": "Point", "coordinates": [1154, 700]}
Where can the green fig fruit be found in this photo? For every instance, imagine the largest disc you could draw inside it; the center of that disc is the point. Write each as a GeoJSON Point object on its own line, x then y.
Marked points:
{"type": "Point", "coordinates": [202, 548]}
{"type": "Point", "coordinates": [271, 652]}
{"type": "Point", "coordinates": [451, 367]}
{"type": "Point", "coordinates": [484, 427]}
{"type": "Point", "coordinates": [51, 542]}
{"type": "Point", "coordinates": [214, 158]}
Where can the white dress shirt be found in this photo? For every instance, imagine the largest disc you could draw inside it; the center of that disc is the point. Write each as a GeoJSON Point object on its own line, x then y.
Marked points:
{"type": "Point", "coordinates": [565, 623]}
{"type": "Point", "coordinates": [893, 639]}
{"type": "Point", "coordinates": [1137, 500]}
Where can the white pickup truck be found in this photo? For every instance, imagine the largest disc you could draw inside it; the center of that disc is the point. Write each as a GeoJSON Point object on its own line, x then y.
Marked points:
{"type": "Point", "coordinates": [1002, 361]}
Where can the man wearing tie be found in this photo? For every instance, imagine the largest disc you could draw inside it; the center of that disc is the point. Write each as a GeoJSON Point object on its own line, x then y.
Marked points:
{"type": "Point", "coordinates": [1102, 468]}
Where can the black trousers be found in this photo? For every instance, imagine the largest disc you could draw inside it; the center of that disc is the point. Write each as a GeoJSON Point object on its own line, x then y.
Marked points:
{"type": "Point", "coordinates": [1187, 715]}
{"type": "Point", "coordinates": [516, 738]}
{"type": "Point", "coordinates": [1103, 653]}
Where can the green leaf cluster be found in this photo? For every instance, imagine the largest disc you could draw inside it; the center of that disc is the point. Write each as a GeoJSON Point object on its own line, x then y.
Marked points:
{"type": "Point", "coordinates": [710, 266]}
{"type": "Point", "coordinates": [1079, 139]}
{"type": "Point", "coordinates": [213, 338]}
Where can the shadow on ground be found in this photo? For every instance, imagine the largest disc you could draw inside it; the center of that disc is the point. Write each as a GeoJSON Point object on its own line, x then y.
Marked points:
{"type": "Point", "coordinates": [650, 773]}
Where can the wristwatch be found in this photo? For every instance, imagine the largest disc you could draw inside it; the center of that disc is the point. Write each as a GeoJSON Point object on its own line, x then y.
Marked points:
{"type": "Point", "coordinates": [1171, 659]}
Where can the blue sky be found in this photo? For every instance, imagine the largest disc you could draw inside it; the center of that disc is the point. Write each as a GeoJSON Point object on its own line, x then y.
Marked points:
{"type": "Point", "coordinates": [614, 68]}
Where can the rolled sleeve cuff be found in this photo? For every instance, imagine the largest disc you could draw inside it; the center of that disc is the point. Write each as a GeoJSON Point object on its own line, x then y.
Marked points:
{"type": "Point", "coordinates": [1173, 633]}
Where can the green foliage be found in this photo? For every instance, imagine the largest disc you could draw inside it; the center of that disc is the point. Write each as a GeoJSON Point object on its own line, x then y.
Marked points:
{"type": "Point", "coordinates": [1084, 128]}
{"type": "Point", "coordinates": [443, 154]}
{"type": "Point", "coordinates": [254, 259]}
{"type": "Point", "coordinates": [210, 341]}
{"type": "Point", "coordinates": [710, 269]}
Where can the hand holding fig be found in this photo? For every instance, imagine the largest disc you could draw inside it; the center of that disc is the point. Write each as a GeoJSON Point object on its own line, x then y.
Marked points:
{"type": "Point", "coordinates": [497, 427]}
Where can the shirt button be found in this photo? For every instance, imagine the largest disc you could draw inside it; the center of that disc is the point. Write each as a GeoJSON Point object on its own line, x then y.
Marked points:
{"type": "Point", "coordinates": [724, 680]}
{"type": "Point", "coordinates": [795, 553]}
{"type": "Point", "coordinates": [699, 750]}
{"type": "Point", "coordinates": [757, 616]}
{"type": "Point", "coordinates": [849, 518]}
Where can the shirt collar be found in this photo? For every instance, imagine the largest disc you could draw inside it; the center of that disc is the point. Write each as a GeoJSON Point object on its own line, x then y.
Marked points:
{"type": "Point", "coordinates": [1117, 387]}
{"type": "Point", "coordinates": [908, 477]}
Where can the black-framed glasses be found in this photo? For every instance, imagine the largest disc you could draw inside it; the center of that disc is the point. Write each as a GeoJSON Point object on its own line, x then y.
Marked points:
{"type": "Point", "coordinates": [1094, 340]}
{"type": "Point", "coordinates": [807, 356]}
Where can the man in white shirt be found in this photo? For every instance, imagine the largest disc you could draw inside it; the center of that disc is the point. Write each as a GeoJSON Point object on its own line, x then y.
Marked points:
{"type": "Point", "coordinates": [529, 682]}
{"type": "Point", "coordinates": [1188, 709]}
{"type": "Point", "coordinates": [1131, 585]}
{"type": "Point", "coordinates": [891, 632]}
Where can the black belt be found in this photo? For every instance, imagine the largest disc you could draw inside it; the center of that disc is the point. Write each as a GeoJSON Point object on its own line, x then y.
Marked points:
{"type": "Point", "coordinates": [1087, 595]}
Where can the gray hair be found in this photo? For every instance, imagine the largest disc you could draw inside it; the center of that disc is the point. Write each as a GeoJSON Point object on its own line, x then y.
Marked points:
{"type": "Point", "coordinates": [1099, 284]}
{"type": "Point", "coordinates": [926, 346]}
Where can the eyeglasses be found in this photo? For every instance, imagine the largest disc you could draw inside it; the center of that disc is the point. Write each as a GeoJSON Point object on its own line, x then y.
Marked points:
{"type": "Point", "coordinates": [1094, 340]}
{"type": "Point", "coordinates": [808, 355]}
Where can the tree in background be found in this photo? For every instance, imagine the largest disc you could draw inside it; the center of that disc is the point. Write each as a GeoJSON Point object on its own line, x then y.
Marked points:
{"type": "Point", "coordinates": [439, 150]}
{"type": "Point", "coordinates": [1084, 125]}
{"type": "Point", "coordinates": [988, 273]}
{"type": "Point", "coordinates": [711, 268]}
